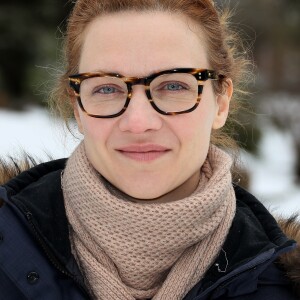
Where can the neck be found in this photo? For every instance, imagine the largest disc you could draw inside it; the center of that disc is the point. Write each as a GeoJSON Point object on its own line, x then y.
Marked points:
{"type": "Point", "coordinates": [181, 192]}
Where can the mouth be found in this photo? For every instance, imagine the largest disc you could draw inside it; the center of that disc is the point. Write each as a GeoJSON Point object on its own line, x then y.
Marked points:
{"type": "Point", "coordinates": [143, 153]}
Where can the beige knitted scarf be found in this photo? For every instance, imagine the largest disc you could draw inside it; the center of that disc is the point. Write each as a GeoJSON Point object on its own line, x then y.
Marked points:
{"type": "Point", "coordinates": [129, 250]}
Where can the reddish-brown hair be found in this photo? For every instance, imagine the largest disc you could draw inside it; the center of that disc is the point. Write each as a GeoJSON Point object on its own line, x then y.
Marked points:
{"type": "Point", "coordinates": [223, 51]}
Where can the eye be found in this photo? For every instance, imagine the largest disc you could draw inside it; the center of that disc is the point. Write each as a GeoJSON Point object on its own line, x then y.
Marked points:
{"type": "Point", "coordinates": [108, 89]}
{"type": "Point", "coordinates": [173, 86]}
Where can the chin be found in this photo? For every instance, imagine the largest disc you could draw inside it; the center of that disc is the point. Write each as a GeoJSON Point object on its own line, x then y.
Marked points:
{"type": "Point", "coordinates": [142, 197]}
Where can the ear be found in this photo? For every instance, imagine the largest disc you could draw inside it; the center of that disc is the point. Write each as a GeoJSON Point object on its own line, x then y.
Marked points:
{"type": "Point", "coordinates": [77, 115]}
{"type": "Point", "coordinates": [223, 101]}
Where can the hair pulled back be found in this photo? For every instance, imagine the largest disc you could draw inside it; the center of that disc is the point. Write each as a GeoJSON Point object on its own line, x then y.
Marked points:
{"type": "Point", "coordinates": [224, 55]}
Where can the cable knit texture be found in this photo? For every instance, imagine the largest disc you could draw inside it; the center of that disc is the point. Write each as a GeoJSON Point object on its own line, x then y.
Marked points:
{"type": "Point", "coordinates": [129, 250]}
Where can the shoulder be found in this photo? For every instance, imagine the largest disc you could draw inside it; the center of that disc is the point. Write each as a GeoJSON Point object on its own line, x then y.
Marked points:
{"type": "Point", "coordinates": [250, 264]}
{"type": "Point", "coordinates": [247, 267]}
{"type": "Point", "coordinates": [38, 191]}
{"type": "Point", "coordinates": [278, 231]}
{"type": "Point", "coordinates": [18, 174]}
{"type": "Point", "coordinates": [25, 180]}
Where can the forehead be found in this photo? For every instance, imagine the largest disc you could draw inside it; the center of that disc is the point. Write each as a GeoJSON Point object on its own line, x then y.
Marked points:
{"type": "Point", "coordinates": [138, 44]}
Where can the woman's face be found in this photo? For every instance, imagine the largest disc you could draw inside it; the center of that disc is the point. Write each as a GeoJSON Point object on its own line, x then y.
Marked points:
{"type": "Point", "coordinates": [143, 153]}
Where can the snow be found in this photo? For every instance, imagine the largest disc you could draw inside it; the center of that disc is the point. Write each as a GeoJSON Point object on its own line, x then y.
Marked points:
{"type": "Point", "coordinates": [272, 179]}
{"type": "Point", "coordinates": [35, 132]}
{"type": "Point", "coordinates": [272, 175]}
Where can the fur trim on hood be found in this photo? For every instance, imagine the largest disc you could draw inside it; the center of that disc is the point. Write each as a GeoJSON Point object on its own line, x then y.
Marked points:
{"type": "Point", "coordinates": [291, 261]}
{"type": "Point", "coordinates": [11, 167]}
{"type": "Point", "coordinates": [291, 227]}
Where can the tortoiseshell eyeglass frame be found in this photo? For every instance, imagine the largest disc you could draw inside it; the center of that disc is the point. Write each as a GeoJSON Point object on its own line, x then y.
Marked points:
{"type": "Point", "coordinates": [201, 76]}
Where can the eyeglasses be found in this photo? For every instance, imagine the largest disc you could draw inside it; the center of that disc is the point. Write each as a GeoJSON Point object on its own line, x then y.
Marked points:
{"type": "Point", "coordinates": [170, 92]}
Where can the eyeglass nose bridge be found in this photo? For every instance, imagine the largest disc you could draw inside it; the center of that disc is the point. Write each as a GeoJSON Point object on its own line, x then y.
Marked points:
{"type": "Point", "coordinates": [130, 82]}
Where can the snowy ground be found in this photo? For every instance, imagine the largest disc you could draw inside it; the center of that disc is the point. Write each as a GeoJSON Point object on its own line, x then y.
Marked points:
{"type": "Point", "coordinates": [272, 175]}
{"type": "Point", "coordinates": [36, 133]}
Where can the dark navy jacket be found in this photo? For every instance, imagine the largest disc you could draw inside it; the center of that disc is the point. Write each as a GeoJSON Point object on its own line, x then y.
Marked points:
{"type": "Point", "coordinates": [36, 260]}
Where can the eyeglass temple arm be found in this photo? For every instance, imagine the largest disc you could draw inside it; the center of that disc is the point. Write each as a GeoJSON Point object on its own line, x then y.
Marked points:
{"type": "Point", "coordinates": [209, 74]}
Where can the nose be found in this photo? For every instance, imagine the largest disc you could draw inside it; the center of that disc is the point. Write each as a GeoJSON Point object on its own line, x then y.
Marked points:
{"type": "Point", "coordinates": [139, 116]}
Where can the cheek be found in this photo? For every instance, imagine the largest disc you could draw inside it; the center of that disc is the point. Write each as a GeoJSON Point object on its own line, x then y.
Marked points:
{"type": "Point", "coordinates": [90, 129]}
{"type": "Point", "coordinates": [95, 131]}
{"type": "Point", "coordinates": [194, 129]}
{"type": "Point", "coordinates": [97, 134]}
{"type": "Point", "coordinates": [192, 134]}
{"type": "Point", "coordinates": [200, 122]}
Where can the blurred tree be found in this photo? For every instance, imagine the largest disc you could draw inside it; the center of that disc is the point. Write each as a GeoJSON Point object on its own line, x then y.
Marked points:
{"type": "Point", "coordinates": [271, 29]}
{"type": "Point", "coordinates": [274, 28]}
{"type": "Point", "coordinates": [26, 28]}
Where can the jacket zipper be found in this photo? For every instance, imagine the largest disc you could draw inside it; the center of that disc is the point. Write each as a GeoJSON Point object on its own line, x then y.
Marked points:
{"type": "Point", "coordinates": [50, 255]}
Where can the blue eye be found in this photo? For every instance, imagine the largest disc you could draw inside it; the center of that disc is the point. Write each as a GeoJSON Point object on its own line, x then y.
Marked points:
{"type": "Point", "coordinates": [107, 90]}
{"type": "Point", "coordinates": [173, 87]}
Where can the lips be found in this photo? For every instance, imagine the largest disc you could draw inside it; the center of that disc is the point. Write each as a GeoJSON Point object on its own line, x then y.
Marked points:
{"type": "Point", "coordinates": [144, 153]}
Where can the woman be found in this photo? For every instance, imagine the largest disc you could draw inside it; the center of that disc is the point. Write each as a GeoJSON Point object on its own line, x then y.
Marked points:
{"type": "Point", "coordinates": [145, 207]}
